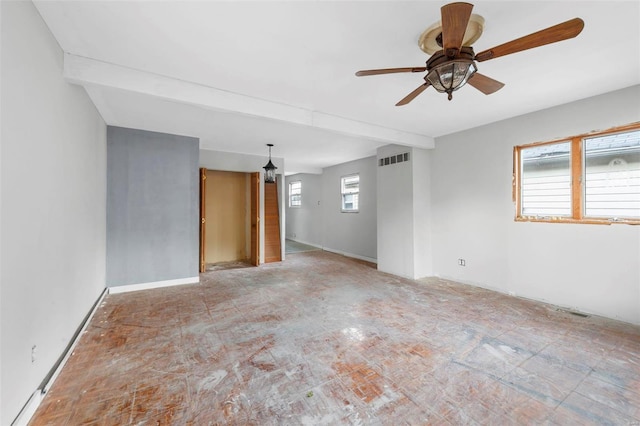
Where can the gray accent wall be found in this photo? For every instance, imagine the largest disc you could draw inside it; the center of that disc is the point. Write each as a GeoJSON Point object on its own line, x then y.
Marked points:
{"type": "Point", "coordinates": [152, 207]}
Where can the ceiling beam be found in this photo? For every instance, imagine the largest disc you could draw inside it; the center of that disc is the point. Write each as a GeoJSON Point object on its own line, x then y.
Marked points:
{"type": "Point", "coordinates": [91, 72]}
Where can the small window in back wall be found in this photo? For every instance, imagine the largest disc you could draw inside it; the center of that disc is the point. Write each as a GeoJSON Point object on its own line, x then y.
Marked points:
{"type": "Point", "coordinates": [350, 190]}
{"type": "Point", "coordinates": [295, 194]}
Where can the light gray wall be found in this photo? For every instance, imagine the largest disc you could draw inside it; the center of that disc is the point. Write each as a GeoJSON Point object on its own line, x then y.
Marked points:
{"type": "Point", "coordinates": [152, 207]}
{"type": "Point", "coordinates": [404, 207]}
{"type": "Point", "coordinates": [395, 213]}
{"type": "Point", "coordinates": [304, 223]}
{"type": "Point", "coordinates": [232, 162]}
{"type": "Point", "coordinates": [422, 237]}
{"type": "Point", "coordinates": [353, 234]}
{"type": "Point", "coordinates": [594, 268]}
{"type": "Point", "coordinates": [52, 226]}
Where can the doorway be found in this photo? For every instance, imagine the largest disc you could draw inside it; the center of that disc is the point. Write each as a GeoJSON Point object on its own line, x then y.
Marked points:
{"type": "Point", "coordinates": [229, 219]}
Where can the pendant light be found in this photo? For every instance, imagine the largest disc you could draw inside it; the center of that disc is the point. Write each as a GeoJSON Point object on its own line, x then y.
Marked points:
{"type": "Point", "coordinates": [269, 169]}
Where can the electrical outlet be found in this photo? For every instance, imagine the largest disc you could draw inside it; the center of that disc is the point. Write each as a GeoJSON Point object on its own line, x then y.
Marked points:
{"type": "Point", "coordinates": [461, 262]}
{"type": "Point", "coordinates": [33, 354]}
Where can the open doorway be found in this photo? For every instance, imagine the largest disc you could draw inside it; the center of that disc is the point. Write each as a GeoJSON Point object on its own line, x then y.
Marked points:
{"type": "Point", "coordinates": [229, 219]}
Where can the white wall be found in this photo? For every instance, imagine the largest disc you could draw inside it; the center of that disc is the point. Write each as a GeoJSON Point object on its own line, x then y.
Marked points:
{"type": "Point", "coordinates": [353, 234]}
{"type": "Point", "coordinates": [53, 205]}
{"type": "Point", "coordinates": [232, 162]}
{"type": "Point", "coordinates": [593, 268]}
{"type": "Point", "coordinates": [404, 219]}
{"type": "Point", "coordinates": [422, 238]}
{"type": "Point", "coordinates": [304, 223]}
{"type": "Point", "coordinates": [395, 214]}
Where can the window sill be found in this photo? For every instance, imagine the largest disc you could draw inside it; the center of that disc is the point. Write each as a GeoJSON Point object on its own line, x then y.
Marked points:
{"type": "Point", "coordinates": [588, 221]}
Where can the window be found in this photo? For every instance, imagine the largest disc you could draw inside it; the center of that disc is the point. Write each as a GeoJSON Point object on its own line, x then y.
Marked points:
{"type": "Point", "coordinates": [612, 175]}
{"type": "Point", "coordinates": [591, 178]}
{"type": "Point", "coordinates": [546, 180]}
{"type": "Point", "coordinates": [350, 189]}
{"type": "Point", "coordinates": [295, 194]}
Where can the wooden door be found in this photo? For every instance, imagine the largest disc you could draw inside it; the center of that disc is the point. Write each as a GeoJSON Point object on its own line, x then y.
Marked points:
{"type": "Point", "coordinates": [227, 217]}
{"type": "Point", "coordinates": [272, 247]}
{"type": "Point", "coordinates": [255, 219]}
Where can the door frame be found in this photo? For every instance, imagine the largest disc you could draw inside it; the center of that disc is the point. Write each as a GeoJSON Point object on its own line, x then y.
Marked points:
{"type": "Point", "coordinates": [254, 228]}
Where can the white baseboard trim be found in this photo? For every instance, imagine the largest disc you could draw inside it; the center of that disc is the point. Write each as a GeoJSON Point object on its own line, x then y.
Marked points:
{"type": "Point", "coordinates": [55, 374]}
{"type": "Point", "coordinates": [398, 275]}
{"type": "Point", "coordinates": [355, 256]}
{"type": "Point", "coordinates": [156, 284]}
{"type": "Point", "coordinates": [305, 242]}
{"type": "Point", "coordinates": [29, 409]}
{"type": "Point", "coordinates": [24, 417]}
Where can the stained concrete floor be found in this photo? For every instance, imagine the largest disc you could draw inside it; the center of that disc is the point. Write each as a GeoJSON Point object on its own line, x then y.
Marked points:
{"type": "Point", "coordinates": [321, 339]}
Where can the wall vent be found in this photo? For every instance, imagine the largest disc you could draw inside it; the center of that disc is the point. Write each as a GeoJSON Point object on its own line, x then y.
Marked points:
{"type": "Point", "coordinates": [394, 159]}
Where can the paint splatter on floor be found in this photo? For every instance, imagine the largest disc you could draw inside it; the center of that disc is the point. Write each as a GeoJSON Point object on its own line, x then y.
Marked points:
{"type": "Point", "coordinates": [249, 346]}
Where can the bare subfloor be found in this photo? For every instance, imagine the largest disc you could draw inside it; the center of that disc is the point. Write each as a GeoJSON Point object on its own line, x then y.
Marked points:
{"type": "Point", "coordinates": [321, 339]}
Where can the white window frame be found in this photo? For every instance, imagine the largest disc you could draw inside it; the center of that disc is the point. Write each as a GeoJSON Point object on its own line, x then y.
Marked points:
{"type": "Point", "coordinates": [298, 193]}
{"type": "Point", "coordinates": [344, 192]}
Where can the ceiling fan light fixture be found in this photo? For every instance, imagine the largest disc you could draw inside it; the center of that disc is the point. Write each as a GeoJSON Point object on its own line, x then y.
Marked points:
{"type": "Point", "coordinates": [452, 75]}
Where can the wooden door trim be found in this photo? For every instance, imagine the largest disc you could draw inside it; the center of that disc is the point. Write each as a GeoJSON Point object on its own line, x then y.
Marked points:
{"type": "Point", "coordinates": [272, 234]}
{"type": "Point", "coordinates": [255, 218]}
{"type": "Point", "coordinates": [203, 180]}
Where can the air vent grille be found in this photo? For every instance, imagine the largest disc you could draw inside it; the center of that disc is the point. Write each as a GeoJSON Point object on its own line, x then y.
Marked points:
{"type": "Point", "coordinates": [394, 159]}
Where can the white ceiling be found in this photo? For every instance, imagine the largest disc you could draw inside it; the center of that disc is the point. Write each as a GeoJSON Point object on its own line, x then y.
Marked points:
{"type": "Point", "coordinates": [242, 74]}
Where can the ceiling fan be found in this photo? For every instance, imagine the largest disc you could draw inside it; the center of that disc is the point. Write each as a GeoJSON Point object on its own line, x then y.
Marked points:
{"type": "Point", "coordinates": [454, 65]}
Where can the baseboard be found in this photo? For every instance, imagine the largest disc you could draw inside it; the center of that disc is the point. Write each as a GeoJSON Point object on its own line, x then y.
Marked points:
{"type": "Point", "coordinates": [537, 300]}
{"type": "Point", "coordinates": [355, 256]}
{"type": "Point", "coordinates": [29, 409]}
{"type": "Point", "coordinates": [398, 275]}
{"type": "Point", "coordinates": [305, 242]}
{"type": "Point", "coordinates": [156, 284]}
{"type": "Point", "coordinates": [343, 253]}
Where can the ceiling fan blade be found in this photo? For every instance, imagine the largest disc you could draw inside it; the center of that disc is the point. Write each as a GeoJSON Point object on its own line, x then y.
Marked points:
{"type": "Point", "coordinates": [455, 17]}
{"type": "Point", "coordinates": [390, 71]}
{"type": "Point", "coordinates": [563, 31]}
{"type": "Point", "coordinates": [485, 84]}
{"type": "Point", "coordinates": [411, 96]}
